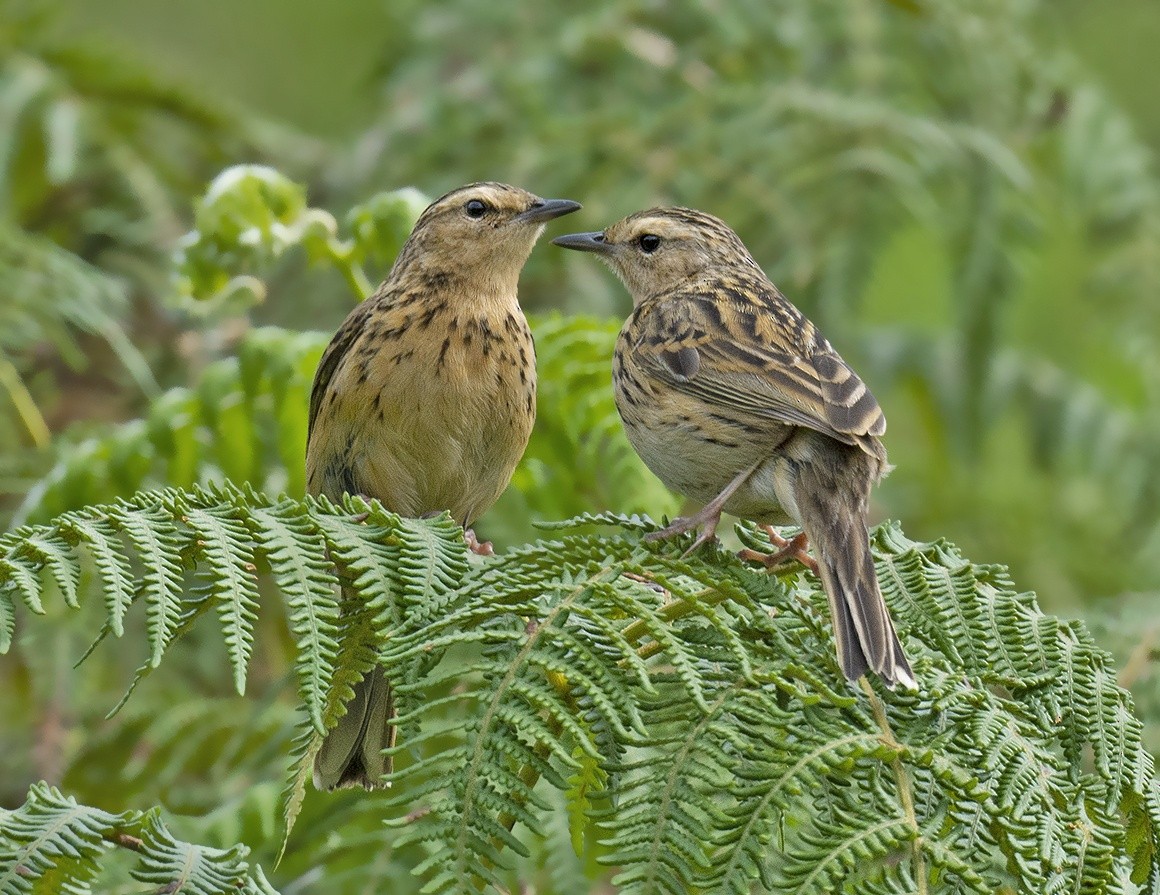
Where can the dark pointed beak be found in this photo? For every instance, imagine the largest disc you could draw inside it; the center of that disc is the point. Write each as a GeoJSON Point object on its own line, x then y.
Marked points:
{"type": "Point", "coordinates": [584, 242]}
{"type": "Point", "coordinates": [547, 209]}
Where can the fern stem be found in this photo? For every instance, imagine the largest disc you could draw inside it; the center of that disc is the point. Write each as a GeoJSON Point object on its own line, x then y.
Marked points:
{"type": "Point", "coordinates": [24, 403]}
{"type": "Point", "coordinates": [905, 790]}
{"type": "Point", "coordinates": [669, 613]}
{"type": "Point", "coordinates": [125, 841]}
{"type": "Point", "coordinates": [341, 254]}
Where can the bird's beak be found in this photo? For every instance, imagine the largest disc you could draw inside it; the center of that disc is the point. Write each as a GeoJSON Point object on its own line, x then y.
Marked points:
{"type": "Point", "coordinates": [584, 242]}
{"type": "Point", "coordinates": [546, 210]}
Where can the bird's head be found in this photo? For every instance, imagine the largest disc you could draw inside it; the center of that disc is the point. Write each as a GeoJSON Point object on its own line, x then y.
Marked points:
{"type": "Point", "coordinates": [482, 232]}
{"type": "Point", "coordinates": [653, 251]}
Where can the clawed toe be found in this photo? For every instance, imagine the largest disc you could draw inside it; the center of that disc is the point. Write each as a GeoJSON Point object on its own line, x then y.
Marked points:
{"type": "Point", "coordinates": [683, 524]}
{"type": "Point", "coordinates": [789, 550]}
{"type": "Point", "coordinates": [678, 526]}
{"type": "Point", "coordinates": [477, 547]}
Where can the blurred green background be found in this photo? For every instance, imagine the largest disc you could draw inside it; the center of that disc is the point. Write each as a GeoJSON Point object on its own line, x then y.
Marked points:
{"type": "Point", "coordinates": [963, 195]}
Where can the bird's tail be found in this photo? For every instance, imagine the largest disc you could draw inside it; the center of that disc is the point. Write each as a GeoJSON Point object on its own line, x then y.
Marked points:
{"type": "Point", "coordinates": [832, 494]}
{"type": "Point", "coordinates": [352, 752]}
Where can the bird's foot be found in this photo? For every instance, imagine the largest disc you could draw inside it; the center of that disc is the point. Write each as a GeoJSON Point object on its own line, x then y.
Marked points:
{"type": "Point", "coordinates": [706, 521]}
{"type": "Point", "coordinates": [788, 550]}
{"type": "Point", "coordinates": [475, 546]}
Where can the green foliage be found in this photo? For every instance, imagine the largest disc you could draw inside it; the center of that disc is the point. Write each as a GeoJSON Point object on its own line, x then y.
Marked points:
{"type": "Point", "coordinates": [87, 128]}
{"type": "Point", "coordinates": [1131, 632]}
{"type": "Point", "coordinates": [252, 215]}
{"type": "Point", "coordinates": [937, 184]}
{"type": "Point", "coordinates": [245, 421]}
{"type": "Point", "coordinates": [689, 711]}
{"type": "Point", "coordinates": [98, 156]}
{"type": "Point", "coordinates": [52, 844]}
{"type": "Point", "coordinates": [50, 295]}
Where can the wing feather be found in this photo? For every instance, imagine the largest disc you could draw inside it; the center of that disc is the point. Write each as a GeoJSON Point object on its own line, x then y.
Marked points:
{"type": "Point", "coordinates": [759, 359]}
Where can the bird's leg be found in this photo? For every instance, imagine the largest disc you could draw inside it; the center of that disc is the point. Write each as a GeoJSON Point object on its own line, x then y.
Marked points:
{"type": "Point", "coordinates": [477, 547]}
{"type": "Point", "coordinates": [706, 520]}
{"type": "Point", "coordinates": [788, 550]}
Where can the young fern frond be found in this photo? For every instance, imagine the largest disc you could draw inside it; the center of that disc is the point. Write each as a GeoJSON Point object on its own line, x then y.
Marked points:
{"type": "Point", "coordinates": [690, 712]}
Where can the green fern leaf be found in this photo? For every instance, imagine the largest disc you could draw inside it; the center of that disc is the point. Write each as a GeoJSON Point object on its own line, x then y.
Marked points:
{"type": "Point", "coordinates": [52, 836]}
{"type": "Point", "coordinates": [223, 542]}
{"type": "Point", "coordinates": [299, 565]}
{"type": "Point", "coordinates": [99, 533]}
{"type": "Point", "coordinates": [159, 546]}
{"type": "Point", "coordinates": [181, 867]}
{"type": "Point", "coordinates": [54, 844]}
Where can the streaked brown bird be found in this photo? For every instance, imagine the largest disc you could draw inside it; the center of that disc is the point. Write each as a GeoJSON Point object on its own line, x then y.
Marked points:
{"type": "Point", "coordinates": [425, 399]}
{"type": "Point", "coordinates": [732, 397]}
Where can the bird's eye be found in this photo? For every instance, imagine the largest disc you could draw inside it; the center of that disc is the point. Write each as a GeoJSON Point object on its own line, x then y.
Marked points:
{"type": "Point", "coordinates": [649, 243]}
{"type": "Point", "coordinates": [475, 208]}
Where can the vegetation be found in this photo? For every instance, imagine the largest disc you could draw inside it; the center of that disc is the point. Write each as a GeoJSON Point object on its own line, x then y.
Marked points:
{"type": "Point", "coordinates": [938, 184]}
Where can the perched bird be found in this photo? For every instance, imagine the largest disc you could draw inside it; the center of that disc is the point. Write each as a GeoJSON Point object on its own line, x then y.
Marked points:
{"type": "Point", "coordinates": [425, 399]}
{"type": "Point", "coordinates": [732, 397]}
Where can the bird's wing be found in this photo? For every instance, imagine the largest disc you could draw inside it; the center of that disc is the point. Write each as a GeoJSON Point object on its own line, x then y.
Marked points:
{"type": "Point", "coordinates": [758, 360]}
{"type": "Point", "coordinates": [333, 357]}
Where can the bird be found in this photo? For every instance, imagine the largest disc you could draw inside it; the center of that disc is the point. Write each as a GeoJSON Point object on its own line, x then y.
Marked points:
{"type": "Point", "coordinates": [425, 399]}
{"type": "Point", "coordinates": [733, 398]}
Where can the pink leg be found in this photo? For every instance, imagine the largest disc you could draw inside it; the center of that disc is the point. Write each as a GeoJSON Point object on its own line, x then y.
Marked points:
{"type": "Point", "coordinates": [475, 546]}
{"type": "Point", "coordinates": [787, 551]}
{"type": "Point", "coordinates": [707, 519]}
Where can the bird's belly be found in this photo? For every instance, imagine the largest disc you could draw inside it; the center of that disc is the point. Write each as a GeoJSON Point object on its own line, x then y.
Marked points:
{"type": "Point", "coordinates": [700, 466]}
{"type": "Point", "coordinates": [432, 439]}
{"type": "Point", "coordinates": [698, 455]}
{"type": "Point", "coordinates": [438, 460]}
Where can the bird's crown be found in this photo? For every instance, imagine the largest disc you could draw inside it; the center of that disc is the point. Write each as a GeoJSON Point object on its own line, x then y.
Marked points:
{"type": "Point", "coordinates": [497, 198]}
{"type": "Point", "coordinates": [676, 223]}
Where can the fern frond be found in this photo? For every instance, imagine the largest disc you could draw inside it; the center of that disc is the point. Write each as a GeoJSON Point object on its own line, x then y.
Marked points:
{"type": "Point", "coordinates": [690, 710]}
{"type": "Point", "coordinates": [230, 577]}
{"type": "Point", "coordinates": [52, 836]}
{"type": "Point", "coordinates": [221, 535]}
{"type": "Point", "coordinates": [724, 763]}
{"type": "Point", "coordinates": [53, 843]}
{"type": "Point", "coordinates": [300, 567]}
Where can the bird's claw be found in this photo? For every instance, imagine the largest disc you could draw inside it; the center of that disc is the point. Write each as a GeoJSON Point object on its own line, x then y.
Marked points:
{"type": "Point", "coordinates": [477, 547]}
{"type": "Point", "coordinates": [682, 524]}
{"type": "Point", "coordinates": [788, 550]}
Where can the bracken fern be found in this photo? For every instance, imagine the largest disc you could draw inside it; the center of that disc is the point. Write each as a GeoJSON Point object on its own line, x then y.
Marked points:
{"type": "Point", "coordinates": [685, 718]}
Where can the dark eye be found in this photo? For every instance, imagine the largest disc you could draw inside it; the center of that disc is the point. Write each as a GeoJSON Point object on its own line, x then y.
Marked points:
{"type": "Point", "coordinates": [475, 208]}
{"type": "Point", "coordinates": [649, 243]}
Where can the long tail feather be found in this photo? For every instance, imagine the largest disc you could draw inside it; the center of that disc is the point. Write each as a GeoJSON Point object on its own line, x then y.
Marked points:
{"type": "Point", "coordinates": [831, 491]}
{"type": "Point", "coordinates": [352, 753]}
